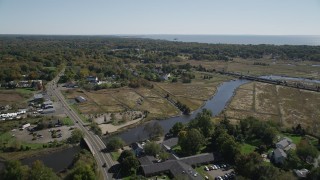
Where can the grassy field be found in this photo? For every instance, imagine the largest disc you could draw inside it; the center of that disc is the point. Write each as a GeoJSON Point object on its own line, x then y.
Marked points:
{"type": "Point", "coordinates": [15, 97]}
{"type": "Point", "coordinates": [283, 105]}
{"type": "Point", "coordinates": [122, 99]}
{"type": "Point", "coordinates": [67, 121]}
{"type": "Point", "coordinates": [247, 148]}
{"type": "Point", "coordinates": [246, 66]}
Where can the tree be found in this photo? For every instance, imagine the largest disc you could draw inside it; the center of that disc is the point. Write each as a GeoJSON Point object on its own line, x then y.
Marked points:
{"type": "Point", "coordinates": [292, 161]}
{"type": "Point", "coordinates": [176, 128]}
{"type": "Point", "coordinates": [129, 165]}
{"type": "Point", "coordinates": [203, 123]}
{"type": "Point", "coordinates": [115, 143]}
{"type": "Point", "coordinates": [314, 174]}
{"type": "Point", "coordinates": [124, 155]}
{"type": "Point", "coordinates": [152, 148]}
{"type": "Point", "coordinates": [306, 150]}
{"type": "Point", "coordinates": [82, 172]}
{"type": "Point", "coordinates": [40, 172]}
{"type": "Point", "coordinates": [163, 155]}
{"type": "Point", "coordinates": [95, 128]}
{"type": "Point", "coordinates": [14, 170]}
{"type": "Point", "coordinates": [76, 136]}
{"type": "Point", "coordinates": [191, 141]}
{"type": "Point", "coordinates": [154, 131]}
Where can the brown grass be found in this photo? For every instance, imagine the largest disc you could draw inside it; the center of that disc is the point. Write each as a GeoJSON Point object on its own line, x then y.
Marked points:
{"type": "Point", "coordinates": [287, 106]}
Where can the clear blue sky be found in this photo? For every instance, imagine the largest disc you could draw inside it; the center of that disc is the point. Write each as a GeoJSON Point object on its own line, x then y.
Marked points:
{"type": "Point", "coordinates": [91, 17]}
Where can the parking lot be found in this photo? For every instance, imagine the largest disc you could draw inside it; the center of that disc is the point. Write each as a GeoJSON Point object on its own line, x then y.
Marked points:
{"type": "Point", "coordinates": [42, 136]}
{"type": "Point", "coordinates": [214, 173]}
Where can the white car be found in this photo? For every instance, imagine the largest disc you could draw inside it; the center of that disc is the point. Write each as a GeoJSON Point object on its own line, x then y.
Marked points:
{"type": "Point", "coordinates": [206, 168]}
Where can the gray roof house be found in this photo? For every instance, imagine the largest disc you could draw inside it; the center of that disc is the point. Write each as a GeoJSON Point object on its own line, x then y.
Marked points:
{"type": "Point", "coordinates": [179, 168]}
{"type": "Point", "coordinates": [279, 155]}
{"type": "Point", "coordinates": [285, 144]}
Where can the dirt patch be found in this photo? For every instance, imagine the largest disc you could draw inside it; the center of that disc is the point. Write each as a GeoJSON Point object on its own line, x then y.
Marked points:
{"type": "Point", "coordinates": [44, 136]}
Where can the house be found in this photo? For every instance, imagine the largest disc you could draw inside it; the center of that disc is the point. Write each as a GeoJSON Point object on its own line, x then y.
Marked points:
{"type": "Point", "coordinates": [285, 144]}
{"type": "Point", "coordinates": [80, 99]}
{"type": "Point", "coordinates": [301, 173]}
{"type": "Point", "coordinates": [279, 156]}
{"type": "Point", "coordinates": [93, 79]}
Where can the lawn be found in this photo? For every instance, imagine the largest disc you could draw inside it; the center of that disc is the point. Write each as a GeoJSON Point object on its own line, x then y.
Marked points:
{"type": "Point", "coordinates": [247, 148]}
{"type": "Point", "coordinates": [115, 155]}
{"type": "Point", "coordinates": [67, 121]}
{"type": "Point", "coordinates": [295, 138]}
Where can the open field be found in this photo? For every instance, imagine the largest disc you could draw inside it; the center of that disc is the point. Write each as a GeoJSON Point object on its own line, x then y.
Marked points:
{"type": "Point", "coordinates": [286, 106]}
{"type": "Point", "coordinates": [17, 97]}
{"type": "Point", "coordinates": [123, 99]}
{"type": "Point", "coordinates": [275, 67]}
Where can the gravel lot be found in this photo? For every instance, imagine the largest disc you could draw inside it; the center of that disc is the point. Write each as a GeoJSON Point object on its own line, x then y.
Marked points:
{"type": "Point", "coordinates": [26, 136]}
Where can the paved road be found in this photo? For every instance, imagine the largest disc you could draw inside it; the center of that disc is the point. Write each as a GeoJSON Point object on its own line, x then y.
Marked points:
{"type": "Point", "coordinates": [95, 141]}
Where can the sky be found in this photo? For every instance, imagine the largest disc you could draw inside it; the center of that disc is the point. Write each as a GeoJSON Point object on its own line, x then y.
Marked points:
{"type": "Point", "coordinates": [110, 17]}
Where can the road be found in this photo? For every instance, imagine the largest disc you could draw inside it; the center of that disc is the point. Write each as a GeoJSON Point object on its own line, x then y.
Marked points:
{"type": "Point", "coordinates": [94, 140]}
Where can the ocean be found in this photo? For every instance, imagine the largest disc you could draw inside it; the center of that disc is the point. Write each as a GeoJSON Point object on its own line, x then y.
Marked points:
{"type": "Point", "coordinates": [241, 39]}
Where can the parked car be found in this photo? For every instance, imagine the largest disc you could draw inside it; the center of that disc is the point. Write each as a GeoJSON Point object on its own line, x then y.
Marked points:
{"type": "Point", "coordinates": [206, 168]}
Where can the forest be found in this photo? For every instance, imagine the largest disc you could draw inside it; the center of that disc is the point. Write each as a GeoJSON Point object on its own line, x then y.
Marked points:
{"type": "Point", "coordinates": [25, 57]}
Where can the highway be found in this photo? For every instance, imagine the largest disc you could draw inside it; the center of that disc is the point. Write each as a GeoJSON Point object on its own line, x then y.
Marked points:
{"type": "Point", "coordinates": [95, 142]}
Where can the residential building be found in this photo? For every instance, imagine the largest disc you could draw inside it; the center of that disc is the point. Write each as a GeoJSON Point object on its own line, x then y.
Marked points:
{"type": "Point", "coordinates": [285, 144]}
{"type": "Point", "coordinates": [179, 168]}
{"type": "Point", "coordinates": [279, 156]}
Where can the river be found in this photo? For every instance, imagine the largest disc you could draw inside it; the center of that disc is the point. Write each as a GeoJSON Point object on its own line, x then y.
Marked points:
{"type": "Point", "coordinates": [216, 104]}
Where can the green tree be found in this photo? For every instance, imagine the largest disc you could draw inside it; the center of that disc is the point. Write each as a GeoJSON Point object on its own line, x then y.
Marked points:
{"type": "Point", "coordinates": [129, 165]}
{"type": "Point", "coordinates": [82, 172]}
{"type": "Point", "coordinates": [314, 174]}
{"type": "Point", "coordinates": [154, 131]}
{"type": "Point", "coordinates": [163, 155]}
{"type": "Point", "coordinates": [124, 155]}
{"type": "Point", "coordinates": [191, 141]}
{"type": "Point", "coordinates": [76, 136]}
{"type": "Point", "coordinates": [203, 123]}
{"type": "Point", "coordinates": [115, 143]}
{"type": "Point", "coordinates": [292, 161]}
{"type": "Point", "coordinates": [176, 128]}
{"type": "Point", "coordinates": [306, 150]}
{"type": "Point", "coordinates": [39, 171]}
{"type": "Point", "coordinates": [14, 170]}
{"type": "Point", "coordinates": [152, 148]}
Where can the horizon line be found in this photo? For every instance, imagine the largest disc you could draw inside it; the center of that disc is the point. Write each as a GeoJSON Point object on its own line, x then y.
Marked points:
{"type": "Point", "coordinates": [157, 34]}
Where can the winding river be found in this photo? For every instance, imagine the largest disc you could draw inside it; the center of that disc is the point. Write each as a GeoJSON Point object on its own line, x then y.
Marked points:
{"type": "Point", "coordinates": [216, 104]}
